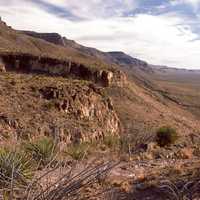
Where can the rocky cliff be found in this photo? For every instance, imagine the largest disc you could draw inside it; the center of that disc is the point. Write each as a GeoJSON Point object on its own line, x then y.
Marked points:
{"type": "Point", "coordinates": [66, 68]}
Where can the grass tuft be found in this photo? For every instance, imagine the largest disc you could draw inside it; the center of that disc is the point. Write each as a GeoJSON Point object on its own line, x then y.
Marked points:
{"type": "Point", "coordinates": [78, 151]}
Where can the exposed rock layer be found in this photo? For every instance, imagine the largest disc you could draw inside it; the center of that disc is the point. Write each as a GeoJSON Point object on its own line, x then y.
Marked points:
{"type": "Point", "coordinates": [66, 68]}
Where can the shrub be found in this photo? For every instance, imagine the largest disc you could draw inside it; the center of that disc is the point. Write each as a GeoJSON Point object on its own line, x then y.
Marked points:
{"type": "Point", "coordinates": [42, 150]}
{"type": "Point", "coordinates": [16, 167]}
{"type": "Point", "coordinates": [78, 151]}
{"type": "Point", "coordinates": [111, 141]}
{"type": "Point", "coordinates": [166, 136]}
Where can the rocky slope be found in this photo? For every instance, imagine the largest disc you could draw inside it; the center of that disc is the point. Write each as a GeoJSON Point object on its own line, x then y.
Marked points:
{"type": "Point", "coordinates": [50, 90]}
{"type": "Point", "coordinates": [70, 111]}
{"type": "Point", "coordinates": [51, 86]}
{"type": "Point", "coordinates": [118, 58]}
{"type": "Point", "coordinates": [138, 104]}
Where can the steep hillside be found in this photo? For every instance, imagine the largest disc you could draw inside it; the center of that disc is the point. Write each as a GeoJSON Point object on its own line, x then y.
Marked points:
{"type": "Point", "coordinates": [33, 105]}
{"type": "Point", "coordinates": [57, 39]}
{"type": "Point", "coordinates": [180, 86]}
{"type": "Point", "coordinates": [96, 106]}
{"type": "Point", "coordinates": [139, 103]}
{"type": "Point", "coordinates": [25, 53]}
{"type": "Point", "coordinates": [118, 58]}
{"type": "Point", "coordinates": [140, 100]}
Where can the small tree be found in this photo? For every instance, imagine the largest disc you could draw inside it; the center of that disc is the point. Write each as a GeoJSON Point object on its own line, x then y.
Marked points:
{"type": "Point", "coordinates": [166, 136]}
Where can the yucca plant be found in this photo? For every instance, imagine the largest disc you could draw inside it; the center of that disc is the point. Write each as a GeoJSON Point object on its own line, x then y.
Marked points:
{"type": "Point", "coordinates": [16, 170]}
{"type": "Point", "coordinates": [42, 150]}
{"type": "Point", "coordinates": [78, 151]}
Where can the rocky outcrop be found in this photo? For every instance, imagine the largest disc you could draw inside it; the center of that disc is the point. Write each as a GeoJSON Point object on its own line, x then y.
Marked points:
{"type": "Point", "coordinates": [69, 111]}
{"type": "Point", "coordinates": [67, 68]}
{"type": "Point", "coordinates": [86, 104]}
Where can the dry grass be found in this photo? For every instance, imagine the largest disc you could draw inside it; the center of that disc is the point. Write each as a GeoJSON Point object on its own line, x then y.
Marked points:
{"type": "Point", "coordinates": [57, 183]}
{"type": "Point", "coordinates": [187, 191]}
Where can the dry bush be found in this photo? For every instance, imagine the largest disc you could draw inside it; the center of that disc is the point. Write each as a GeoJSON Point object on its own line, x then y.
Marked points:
{"type": "Point", "coordinates": [185, 191]}
{"type": "Point", "coordinates": [58, 183]}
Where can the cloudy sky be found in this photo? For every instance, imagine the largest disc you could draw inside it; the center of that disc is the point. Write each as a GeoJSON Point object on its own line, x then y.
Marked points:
{"type": "Point", "coordinates": [164, 32]}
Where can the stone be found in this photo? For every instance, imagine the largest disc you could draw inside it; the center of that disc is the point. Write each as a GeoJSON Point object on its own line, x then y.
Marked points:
{"type": "Point", "coordinates": [186, 153]}
{"type": "Point", "coordinates": [2, 66]}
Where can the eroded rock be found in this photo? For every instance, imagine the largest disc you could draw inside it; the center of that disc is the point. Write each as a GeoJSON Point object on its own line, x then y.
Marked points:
{"type": "Point", "coordinates": [84, 105]}
{"type": "Point", "coordinates": [67, 68]}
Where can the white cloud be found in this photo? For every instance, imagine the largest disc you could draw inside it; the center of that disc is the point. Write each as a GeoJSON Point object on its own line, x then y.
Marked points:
{"type": "Point", "coordinates": [157, 39]}
{"type": "Point", "coordinates": [163, 39]}
{"type": "Point", "coordinates": [95, 8]}
{"type": "Point", "coordinates": [194, 3]}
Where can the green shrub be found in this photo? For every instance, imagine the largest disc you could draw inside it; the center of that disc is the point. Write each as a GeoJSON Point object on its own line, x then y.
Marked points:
{"type": "Point", "coordinates": [78, 151]}
{"type": "Point", "coordinates": [42, 150]}
{"type": "Point", "coordinates": [15, 166]}
{"type": "Point", "coordinates": [111, 141]}
{"type": "Point", "coordinates": [166, 136]}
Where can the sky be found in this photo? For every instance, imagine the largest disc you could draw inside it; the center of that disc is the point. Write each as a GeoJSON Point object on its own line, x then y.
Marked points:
{"type": "Point", "coordinates": [162, 32]}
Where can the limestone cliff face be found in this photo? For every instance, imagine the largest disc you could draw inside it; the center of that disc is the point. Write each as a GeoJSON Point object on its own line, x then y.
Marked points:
{"type": "Point", "coordinates": [69, 111]}
{"type": "Point", "coordinates": [66, 68]}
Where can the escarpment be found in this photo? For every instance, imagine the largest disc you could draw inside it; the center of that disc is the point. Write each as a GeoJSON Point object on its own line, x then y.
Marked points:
{"type": "Point", "coordinates": [66, 68]}
{"type": "Point", "coordinates": [70, 111]}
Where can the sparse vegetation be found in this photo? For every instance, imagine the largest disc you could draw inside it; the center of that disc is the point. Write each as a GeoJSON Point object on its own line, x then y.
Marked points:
{"type": "Point", "coordinates": [19, 180]}
{"type": "Point", "coordinates": [16, 170]}
{"type": "Point", "coordinates": [187, 191]}
{"type": "Point", "coordinates": [111, 141]}
{"type": "Point", "coordinates": [42, 150]}
{"type": "Point", "coordinates": [166, 136]}
{"type": "Point", "coordinates": [71, 184]}
{"type": "Point", "coordinates": [78, 151]}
